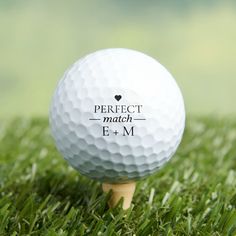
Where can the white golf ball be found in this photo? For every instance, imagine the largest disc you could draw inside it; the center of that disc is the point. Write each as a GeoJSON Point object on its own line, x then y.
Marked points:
{"type": "Point", "coordinates": [117, 115]}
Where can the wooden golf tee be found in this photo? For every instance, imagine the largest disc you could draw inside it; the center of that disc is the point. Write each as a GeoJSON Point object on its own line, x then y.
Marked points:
{"type": "Point", "coordinates": [118, 191]}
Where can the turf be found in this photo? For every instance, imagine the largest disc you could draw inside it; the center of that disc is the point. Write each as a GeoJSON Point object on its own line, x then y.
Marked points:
{"type": "Point", "coordinates": [194, 194]}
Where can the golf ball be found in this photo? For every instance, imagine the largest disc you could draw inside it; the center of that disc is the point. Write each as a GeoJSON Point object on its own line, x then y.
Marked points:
{"type": "Point", "coordinates": [117, 115]}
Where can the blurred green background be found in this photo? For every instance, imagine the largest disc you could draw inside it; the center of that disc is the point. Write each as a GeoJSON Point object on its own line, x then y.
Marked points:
{"type": "Point", "coordinates": [195, 40]}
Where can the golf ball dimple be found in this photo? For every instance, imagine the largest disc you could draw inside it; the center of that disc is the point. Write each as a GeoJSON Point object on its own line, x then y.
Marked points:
{"type": "Point", "coordinates": [117, 115]}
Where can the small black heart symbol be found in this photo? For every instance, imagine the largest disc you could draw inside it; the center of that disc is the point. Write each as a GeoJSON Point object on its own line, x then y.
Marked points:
{"type": "Point", "coordinates": [118, 97]}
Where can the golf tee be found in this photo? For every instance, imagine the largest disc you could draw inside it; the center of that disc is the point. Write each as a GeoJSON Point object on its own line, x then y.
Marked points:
{"type": "Point", "coordinates": [125, 191]}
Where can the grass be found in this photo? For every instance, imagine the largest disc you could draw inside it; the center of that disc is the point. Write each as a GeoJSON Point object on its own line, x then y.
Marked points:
{"type": "Point", "coordinates": [194, 194]}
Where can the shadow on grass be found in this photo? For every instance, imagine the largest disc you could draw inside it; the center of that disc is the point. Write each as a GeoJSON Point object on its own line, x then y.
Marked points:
{"type": "Point", "coordinates": [78, 190]}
